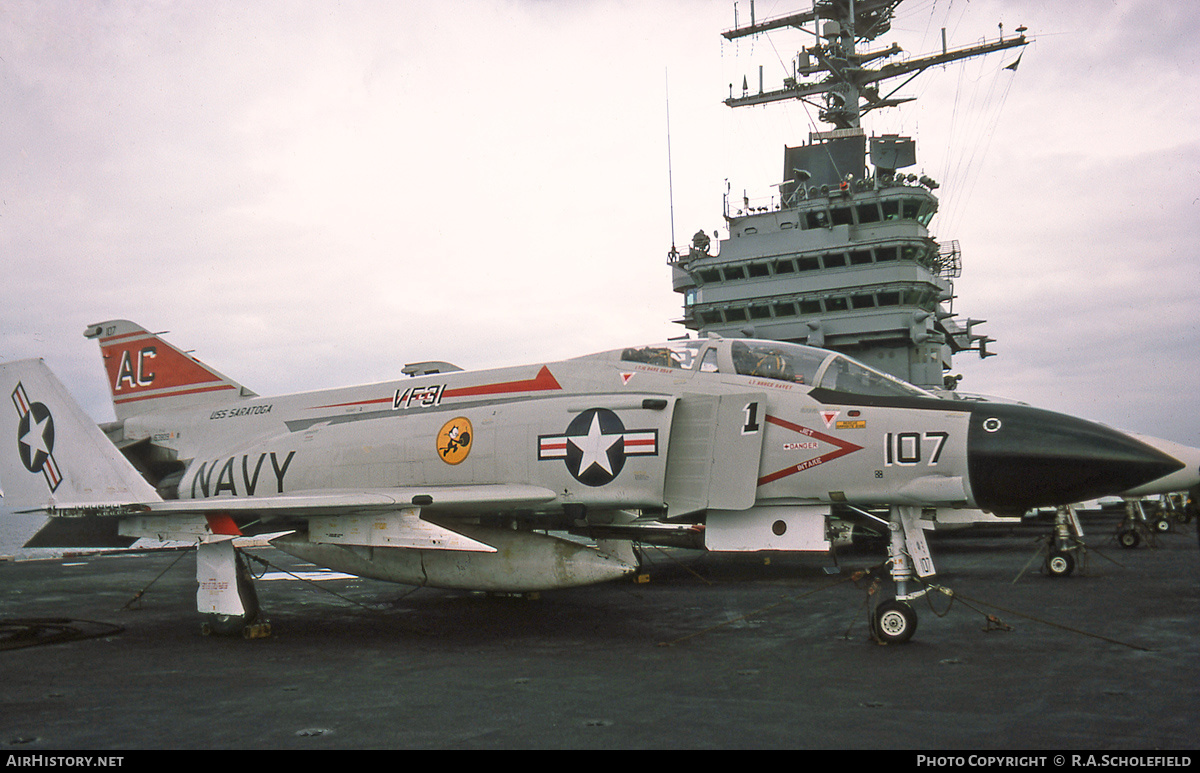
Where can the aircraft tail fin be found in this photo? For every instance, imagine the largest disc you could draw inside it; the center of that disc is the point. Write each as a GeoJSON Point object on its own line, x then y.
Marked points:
{"type": "Point", "coordinates": [146, 374]}
{"type": "Point", "coordinates": [60, 457]}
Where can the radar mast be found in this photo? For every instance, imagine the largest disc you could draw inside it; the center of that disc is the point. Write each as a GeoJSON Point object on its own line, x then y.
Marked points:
{"type": "Point", "coordinates": [843, 258]}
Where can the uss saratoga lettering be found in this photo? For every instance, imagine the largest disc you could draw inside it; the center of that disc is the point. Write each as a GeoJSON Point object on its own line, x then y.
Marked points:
{"type": "Point", "coordinates": [238, 470]}
{"type": "Point", "coordinates": [250, 410]}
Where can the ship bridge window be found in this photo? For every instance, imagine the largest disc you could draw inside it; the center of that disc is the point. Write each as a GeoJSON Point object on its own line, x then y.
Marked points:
{"type": "Point", "coordinates": [834, 259]}
{"type": "Point", "coordinates": [868, 213]}
{"type": "Point", "coordinates": [807, 264]}
{"type": "Point", "coordinates": [735, 272]}
{"type": "Point", "coordinates": [862, 301]}
{"type": "Point", "coordinates": [785, 309]}
{"type": "Point", "coordinates": [885, 253]}
{"type": "Point", "coordinates": [924, 299]}
{"type": "Point", "coordinates": [889, 299]}
{"type": "Point", "coordinates": [811, 307]}
{"type": "Point", "coordinates": [710, 275]}
{"type": "Point", "coordinates": [842, 216]}
{"type": "Point", "coordinates": [860, 257]}
{"type": "Point", "coordinates": [759, 269]}
{"type": "Point", "coordinates": [921, 210]}
{"type": "Point", "coordinates": [774, 360]}
{"type": "Point", "coordinates": [836, 304]}
{"type": "Point", "coordinates": [816, 219]}
{"type": "Point", "coordinates": [760, 312]}
{"type": "Point", "coordinates": [735, 315]}
{"type": "Point", "coordinates": [784, 267]}
{"type": "Point", "coordinates": [711, 317]}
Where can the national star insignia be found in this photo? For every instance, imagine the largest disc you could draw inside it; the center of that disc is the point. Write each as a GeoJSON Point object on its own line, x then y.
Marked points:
{"type": "Point", "coordinates": [595, 446]}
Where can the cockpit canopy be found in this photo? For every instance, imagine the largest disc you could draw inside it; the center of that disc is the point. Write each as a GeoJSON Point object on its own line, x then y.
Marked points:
{"type": "Point", "coordinates": [775, 360]}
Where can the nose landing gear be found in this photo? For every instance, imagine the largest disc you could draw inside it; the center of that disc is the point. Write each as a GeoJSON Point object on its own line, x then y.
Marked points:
{"type": "Point", "coordinates": [895, 621]}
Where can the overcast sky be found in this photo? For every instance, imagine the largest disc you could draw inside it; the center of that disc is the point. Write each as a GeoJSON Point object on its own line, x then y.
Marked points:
{"type": "Point", "coordinates": [313, 194]}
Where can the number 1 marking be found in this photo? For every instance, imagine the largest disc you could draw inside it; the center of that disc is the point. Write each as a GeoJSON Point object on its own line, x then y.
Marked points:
{"type": "Point", "coordinates": [751, 426]}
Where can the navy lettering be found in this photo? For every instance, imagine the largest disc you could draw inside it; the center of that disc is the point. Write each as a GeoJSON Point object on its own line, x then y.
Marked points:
{"type": "Point", "coordinates": [280, 472]}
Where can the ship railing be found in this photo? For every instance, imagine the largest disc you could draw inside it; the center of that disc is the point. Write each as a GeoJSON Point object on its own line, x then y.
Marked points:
{"type": "Point", "coordinates": [753, 206]}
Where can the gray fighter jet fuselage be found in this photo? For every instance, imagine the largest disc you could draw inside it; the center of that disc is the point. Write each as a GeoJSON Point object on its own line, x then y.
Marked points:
{"type": "Point", "coordinates": [436, 479]}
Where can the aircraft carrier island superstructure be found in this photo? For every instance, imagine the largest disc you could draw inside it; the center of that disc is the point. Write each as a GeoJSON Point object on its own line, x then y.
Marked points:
{"type": "Point", "coordinates": [842, 257]}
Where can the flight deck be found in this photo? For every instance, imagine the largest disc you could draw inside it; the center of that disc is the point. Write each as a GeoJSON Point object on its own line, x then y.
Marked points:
{"type": "Point", "coordinates": [708, 651]}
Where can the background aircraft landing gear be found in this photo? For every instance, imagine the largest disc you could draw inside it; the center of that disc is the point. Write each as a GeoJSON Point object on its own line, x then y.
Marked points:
{"type": "Point", "coordinates": [1135, 527]}
{"type": "Point", "coordinates": [1060, 563]}
{"type": "Point", "coordinates": [1128, 538]}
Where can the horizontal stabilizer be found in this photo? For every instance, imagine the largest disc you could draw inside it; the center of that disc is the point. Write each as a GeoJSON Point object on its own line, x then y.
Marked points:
{"type": "Point", "coordinates": [80, 533]}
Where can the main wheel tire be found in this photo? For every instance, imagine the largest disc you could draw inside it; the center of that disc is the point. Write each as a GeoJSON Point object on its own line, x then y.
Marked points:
{"type": "Point", "coordinates": [894, 622]}
{"type": "Point", "coordinates": [1128, 538]}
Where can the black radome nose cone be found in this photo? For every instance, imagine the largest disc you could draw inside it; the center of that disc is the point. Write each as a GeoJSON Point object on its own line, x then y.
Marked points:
{"type": "Point", "coordinates": [1020, 458]}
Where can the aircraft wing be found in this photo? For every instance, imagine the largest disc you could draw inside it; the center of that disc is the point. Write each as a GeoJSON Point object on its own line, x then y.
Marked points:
{"type": "Point", "coordinates": [465, 500]}
{"type": "Point", "coordinates": [389, 517]}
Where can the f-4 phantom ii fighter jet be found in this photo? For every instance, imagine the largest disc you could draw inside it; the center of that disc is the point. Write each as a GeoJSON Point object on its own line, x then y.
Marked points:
{"type": "Point", "coordinates": [456, 479]}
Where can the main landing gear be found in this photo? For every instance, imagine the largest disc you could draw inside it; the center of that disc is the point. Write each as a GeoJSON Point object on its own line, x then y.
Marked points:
{"type": "Point", "coordinates": [225, 598]}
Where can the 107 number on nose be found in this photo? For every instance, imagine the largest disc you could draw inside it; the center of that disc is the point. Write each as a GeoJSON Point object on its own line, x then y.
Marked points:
{"type": "Point", "coordinates": [911, 448]}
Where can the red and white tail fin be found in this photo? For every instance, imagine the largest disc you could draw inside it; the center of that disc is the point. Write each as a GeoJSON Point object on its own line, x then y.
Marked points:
{"type": "Point", "coordinates": [146, 374]}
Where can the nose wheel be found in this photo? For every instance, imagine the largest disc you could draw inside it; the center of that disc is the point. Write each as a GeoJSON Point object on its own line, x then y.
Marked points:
{"type": "Point", "coordinates": [1060, 563]}
{"type": "Point", "coordinates": [894, 622]}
